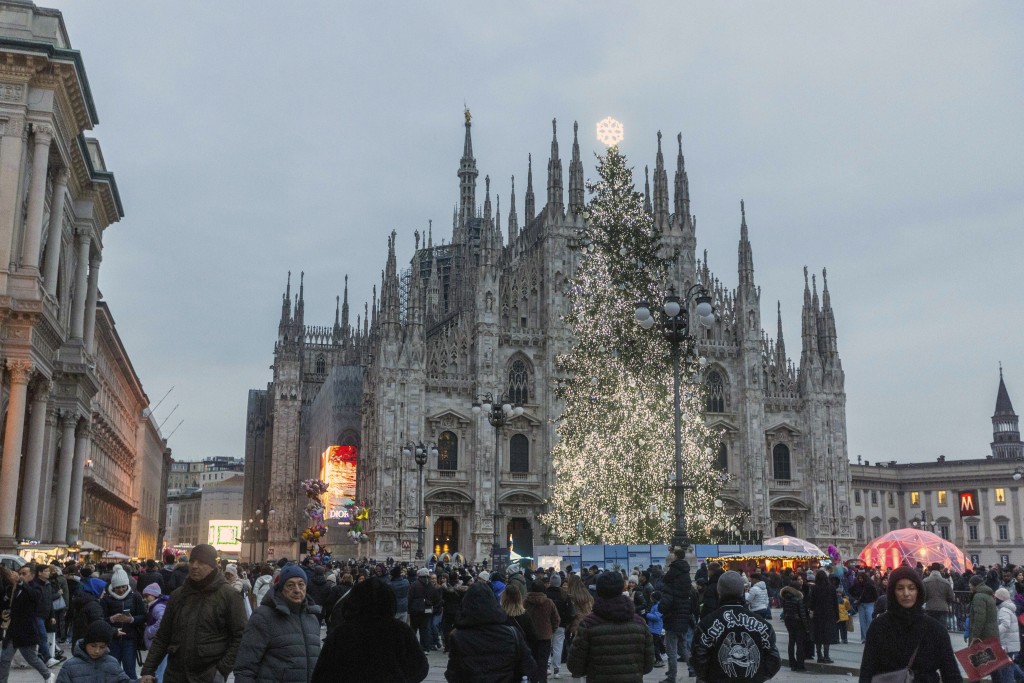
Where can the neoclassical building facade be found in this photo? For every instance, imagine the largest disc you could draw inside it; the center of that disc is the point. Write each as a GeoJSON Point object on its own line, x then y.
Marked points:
{"type": "Point", "coordinates": [71, 404]}
{"type": "Point", "coordinates": [480, 313]}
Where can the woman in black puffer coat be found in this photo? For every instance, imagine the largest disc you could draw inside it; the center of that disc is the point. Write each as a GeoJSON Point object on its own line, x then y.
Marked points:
{"type": "Point", "coordinates": [486, 647]}
{"type": "Point", "coordinates": [282, 639]}
{"type": "Point", "coordinates": [369, 645]}
{"type": "Point", "coordinates": [825, 614]}
{"type": "Point", "coordinates": [798, 624]}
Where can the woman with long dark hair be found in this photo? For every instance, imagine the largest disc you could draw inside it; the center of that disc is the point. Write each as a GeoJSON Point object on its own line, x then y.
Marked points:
{"type": "Point", "coordinates": [824, 614]}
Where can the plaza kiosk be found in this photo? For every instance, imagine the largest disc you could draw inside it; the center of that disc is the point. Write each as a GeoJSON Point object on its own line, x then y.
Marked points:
{"type": "Point", "coordinates": [778, 560]}
{"type": "Point", "coordinates": [907, 547]}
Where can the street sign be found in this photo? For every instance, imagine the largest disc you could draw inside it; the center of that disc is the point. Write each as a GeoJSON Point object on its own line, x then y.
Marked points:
{"type": "Point", "coordinates": [270, 551]}
{"type": "Point", "coordinates": [968, 503]}
{"type": "Point", "coordinates": [406, 545]}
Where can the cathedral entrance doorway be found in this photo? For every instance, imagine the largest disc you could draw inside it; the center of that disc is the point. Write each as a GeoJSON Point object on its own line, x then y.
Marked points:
{"type": "Point", "coordinates": [785, 529]}
{"type": "Point", "coordinates": [520, 535]}
{"type": "Point", "coordinates": [446, 535]}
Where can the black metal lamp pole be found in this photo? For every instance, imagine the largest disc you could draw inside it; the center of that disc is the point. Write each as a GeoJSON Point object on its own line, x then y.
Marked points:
{"type": "Point", "coordinates": [498, 411]}
{"type": "Point", "coordinates": [419, 453]}
{"type": "Point", "coordinates": [675, 327]}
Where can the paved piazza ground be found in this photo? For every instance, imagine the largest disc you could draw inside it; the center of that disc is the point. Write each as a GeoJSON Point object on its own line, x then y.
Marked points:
{"type": "Point", "coordinates": [847, 664]}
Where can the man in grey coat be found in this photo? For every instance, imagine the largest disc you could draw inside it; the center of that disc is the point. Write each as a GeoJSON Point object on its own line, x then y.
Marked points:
{"type": "Point", "coordinates": [938, 594]}
{"type": "Point", "coordinates": [282, 640]}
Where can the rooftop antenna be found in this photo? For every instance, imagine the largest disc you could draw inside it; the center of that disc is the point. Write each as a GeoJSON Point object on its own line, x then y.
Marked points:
{"type": "Point", "coordinates": [172, 431]}
{"type": "Point", "coordinates": [168, 415]}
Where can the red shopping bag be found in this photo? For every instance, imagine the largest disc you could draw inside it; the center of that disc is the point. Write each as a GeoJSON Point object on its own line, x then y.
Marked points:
{"type": "Point", "coordinates": [982, 658]}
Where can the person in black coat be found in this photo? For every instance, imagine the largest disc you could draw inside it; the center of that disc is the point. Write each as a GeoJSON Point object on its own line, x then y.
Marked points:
{"type": "Point", "coordinates": [151, 575]}
{"type": "Point", "coordinates": [709, 601]}
{"type": "Point", "coordinates": [370, 644]}
{"type": "Point", "coordinates": [320, 591]}
{"type": "Point", "coordinates": [484, 647]}
{"type": "Point", "coordinates": [893, 636]}
{"type": "Point", "coordinates": [22, 603]}
{"type": "Point", "coordinates": [824, 614]}
{"type": "Point", "coordinates": [678, 603]}
{"type": "Point", "coordinates": [85, 608]}
{"type": "Point", "coordinates": [798, 623]}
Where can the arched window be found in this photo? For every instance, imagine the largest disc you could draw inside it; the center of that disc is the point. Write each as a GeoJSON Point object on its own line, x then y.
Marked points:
{"type": "Point", "coordinates": [519, 382]}
{"type": "Point", "coordinates": [321, 364]}
{"type": "Point", "coordinates": [519, 454]}
{"type": "Point", "coordinates": [780, 461]}
{"type": "Point", "coordinates": [716, 393]}
{"type": "Point", "coordinates": [722, 462]}
{"type": "Point", "coordinates": [447, 451]}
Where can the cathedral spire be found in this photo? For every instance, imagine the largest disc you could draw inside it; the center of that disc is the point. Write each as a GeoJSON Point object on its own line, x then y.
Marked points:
{"type": "Point", "coordinates": [487, 199]}
{"type": "Point", "coordinates": [554, 174]}
{"type": "Point", "coordinates": [660, 189]}
{"type": "Point", "coordinates": [647, 190]}
{"type": "Point", "coordinates": [575, 174]}
{"type": "Point", "coordinates": [530, 209]}
{"type": "Point", "coordinates": [286, 300]}
{"type": "Point", "coordinates": [430, 233]}
{"type": "Point", "coordinates": [344, 309]}
{"type": "Point", "coordinates": [497, 220]}
{"type": "Point", "coordinates": [467, 185]}
{"type": "Point", "coordinates": [780, 343]}
{"type": "Point", "coordinates": [682, 185]}
{"type": "Point", "coordinates": [300, 303]}
{"type": "Point", "coordinates": [746, 255]}
{"type": "Point", "coordinates": [513, 220]}
{"type": "Point", "coordinates": [828, 318]}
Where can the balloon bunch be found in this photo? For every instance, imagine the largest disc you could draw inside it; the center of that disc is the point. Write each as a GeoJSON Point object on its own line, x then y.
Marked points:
{"type": "Point", "coordinates": [315, 490]}
{"type": "Point", "coordinates": [357, 513]}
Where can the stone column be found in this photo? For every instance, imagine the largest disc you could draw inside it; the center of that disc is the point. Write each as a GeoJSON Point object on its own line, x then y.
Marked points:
{"type": "Point", "coordinates": [46, 480]}
{"type": "Point", "coordinates": [55, 232]}
{"type": "Point", "coordinates": [82, 446]}
{"type": "Point", "coordinates": [81, 287]}
{"type": "Point", "coordinates": [34, 461]}
{"type": "Point", "coordinates": [13, 438]}
{"type": "Point", "coordinates": [68, 422]}
{"type": "Point", "coordinates": [12, 144]}
{"type": "Point", "coordinates": [43, 135]}
{"type": "Point", "coordinates": [90, 303]}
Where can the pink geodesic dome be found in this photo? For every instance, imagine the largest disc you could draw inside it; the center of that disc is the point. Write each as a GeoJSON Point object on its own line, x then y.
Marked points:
{"type": "Point", "coordinates": [910, 546]}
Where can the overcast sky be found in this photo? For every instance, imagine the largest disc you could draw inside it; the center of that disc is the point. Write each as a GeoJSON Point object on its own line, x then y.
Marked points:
{"type": "Point", "coordinates": [883, 141]}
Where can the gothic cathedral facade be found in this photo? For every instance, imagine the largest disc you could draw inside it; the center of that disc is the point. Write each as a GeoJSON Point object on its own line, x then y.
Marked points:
{"type": "Point", "coordinates": [480, 317]}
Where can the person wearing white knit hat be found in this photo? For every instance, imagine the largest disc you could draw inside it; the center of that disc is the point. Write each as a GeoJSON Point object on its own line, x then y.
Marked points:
{"type": "Point", "coordinates": [125, 610]}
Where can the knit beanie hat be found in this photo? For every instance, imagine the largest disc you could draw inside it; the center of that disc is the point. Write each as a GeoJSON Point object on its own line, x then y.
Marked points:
{"type": "Point", "coordinates": [98, 632]}
{"type": "Point", "coordinates": [290, 571]}
{"type": "Point", "coordinates": [423, 571]}
{"type": "Point", "coordinates": [1002, 595]}
{"type": "Point", "coordinates": [556, 581]}
{"type": "Point", "coordinates": [152, 589]}
{"type": "Point", "coordinates": [730, 585]}
{"type": "Point", "coordinates": [483, 576]}
{"type": "Point", "coordinates": [609, 584]}
{"type": "Point", "coordinates": [231, 569]}
{"type": "Point", "coordinates": [205, 553]}
{"type": "Point", "coordinates": [119, 577]}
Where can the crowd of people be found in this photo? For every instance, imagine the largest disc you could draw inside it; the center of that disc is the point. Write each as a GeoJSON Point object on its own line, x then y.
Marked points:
{"type": "Point", "coordinates": [198, 618]}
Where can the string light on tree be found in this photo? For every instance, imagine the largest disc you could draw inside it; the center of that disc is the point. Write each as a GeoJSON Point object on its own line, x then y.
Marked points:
{"type": "Point", "coordinates": [614, 455]}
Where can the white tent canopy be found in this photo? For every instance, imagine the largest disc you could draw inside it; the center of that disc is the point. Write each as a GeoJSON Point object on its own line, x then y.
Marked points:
{"type": "Point", "coordinates": [771, 555]}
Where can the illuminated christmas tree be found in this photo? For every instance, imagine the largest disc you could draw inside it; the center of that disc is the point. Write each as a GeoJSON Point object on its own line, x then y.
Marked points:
{"type": "Point", "coordinates": [614, 458]}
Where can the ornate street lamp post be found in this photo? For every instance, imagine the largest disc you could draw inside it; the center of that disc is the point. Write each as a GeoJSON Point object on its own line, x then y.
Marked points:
{"type": "Point", "coordinates": [419, 452]}
{"type": "Point", "coordinates": [499, 412]}
{"type": "Point", "coordinates": [675, 327]}
{"type": "Point", "coordinates": [922, 521]}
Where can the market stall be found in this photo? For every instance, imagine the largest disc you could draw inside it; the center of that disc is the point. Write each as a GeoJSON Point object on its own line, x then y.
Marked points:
{"type": "Point", "coordinates": [770, 559]}
{"type": "Point", "coordinates": [793, 543]}
{"type": "Point", "coordinates": [910, 546]}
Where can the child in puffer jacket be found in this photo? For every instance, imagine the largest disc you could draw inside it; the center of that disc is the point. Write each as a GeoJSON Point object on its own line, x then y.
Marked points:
{"type": "Point", "coordinates": [657, 627]}
{"type": "Point", "coordinates": [91, 663]}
